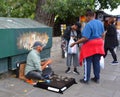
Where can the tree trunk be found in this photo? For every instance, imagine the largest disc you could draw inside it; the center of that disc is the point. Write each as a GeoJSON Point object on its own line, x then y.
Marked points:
{"type": "Point", "coordinates": [43, 17]}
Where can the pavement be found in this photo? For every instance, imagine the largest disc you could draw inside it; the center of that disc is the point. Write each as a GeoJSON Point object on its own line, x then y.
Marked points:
{"type": "Point", "coordinates": [109, 85]}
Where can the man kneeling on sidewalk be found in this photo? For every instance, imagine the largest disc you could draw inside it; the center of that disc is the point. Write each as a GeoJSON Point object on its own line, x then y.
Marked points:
{"type": "Point", "coordinates": [34, 67]}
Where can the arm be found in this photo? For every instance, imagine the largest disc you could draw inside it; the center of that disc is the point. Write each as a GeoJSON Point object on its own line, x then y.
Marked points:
{"type": "Point", "coordinates": [103, 35]}
{"type": "Point", "coordinates": [81, 40]}
{"type": "Point", "coordinates": [45, 63]}
{"type": "Point", "coordinates": [37, 63]}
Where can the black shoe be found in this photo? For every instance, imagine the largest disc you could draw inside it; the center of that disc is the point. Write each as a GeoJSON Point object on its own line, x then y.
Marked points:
{"type": "Point", "coordinates": [114, 63]}
{"type": "Point", "coordinates": [95, 80]}
{"type": "Point", "coordinates": [76, 72]}
{"type": "Point", "coordinates": [68, 70]}
{"type": "Point", "coordinates": [83, 81]}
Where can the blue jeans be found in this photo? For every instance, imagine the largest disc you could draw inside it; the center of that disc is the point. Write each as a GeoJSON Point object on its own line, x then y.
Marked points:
{"type": "Point", "coordinates": [34, 74]}
{"type": "Point", "coordinates": [95, 60]}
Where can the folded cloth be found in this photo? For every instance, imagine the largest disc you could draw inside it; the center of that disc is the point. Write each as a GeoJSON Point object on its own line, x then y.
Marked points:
{"type": "Point", "coordinates": [91, 47]}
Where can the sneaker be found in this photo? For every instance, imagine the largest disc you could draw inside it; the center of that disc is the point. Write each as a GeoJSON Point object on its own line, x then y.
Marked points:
{"type": "Point", "coordinates": [95, 80]}
{"type": "Point", "coordinates": [30, 81]}
{"type": "Point", "coordinates": [83, 81]}
{"type": "Point", "coordinates": [68, 70]}
{"type": "Point", "coordinates": [76, 72]}
{"type": "Point", "coordinates": [114, 63]}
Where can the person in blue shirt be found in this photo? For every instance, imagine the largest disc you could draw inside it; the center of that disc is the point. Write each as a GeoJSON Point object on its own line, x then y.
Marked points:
{"type": "Point", "coordinates": [34, 66]}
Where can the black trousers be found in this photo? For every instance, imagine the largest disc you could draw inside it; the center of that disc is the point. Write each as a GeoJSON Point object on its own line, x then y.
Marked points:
{"type": "Point", "coordinates": [111, 49]}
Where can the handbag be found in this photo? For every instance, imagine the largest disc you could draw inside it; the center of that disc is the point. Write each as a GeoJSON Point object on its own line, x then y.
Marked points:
{"type": "Point", "coordinates": [72, 50]}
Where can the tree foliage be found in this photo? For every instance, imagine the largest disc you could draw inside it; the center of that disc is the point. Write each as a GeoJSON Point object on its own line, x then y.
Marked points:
{"type": "Point", "coordinates": [108, 4]}
{"type": "Point", "coordinates": [18, 8]}
{"type": "Point", "coordinates": [65, 8]}
{"type": "Point", "coordinates": [70, 8]}
{"type": "Point", "coordinates": [59, 8]}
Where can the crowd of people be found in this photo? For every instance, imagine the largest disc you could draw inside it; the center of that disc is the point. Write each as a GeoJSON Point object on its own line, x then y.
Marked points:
{"type": "Point", "coordinates": [96, 40]}
{"type": "Point", "coordinates": [92, 42]}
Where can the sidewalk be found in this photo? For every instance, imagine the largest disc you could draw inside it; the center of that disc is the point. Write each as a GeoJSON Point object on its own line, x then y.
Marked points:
{"type": "Point", "coordinates": [109, 85]}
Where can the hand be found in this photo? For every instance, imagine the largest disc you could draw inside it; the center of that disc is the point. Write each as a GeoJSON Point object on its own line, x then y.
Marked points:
{"type": "Point", "coordinates": [72, 44]}
{"type": "Point", "coordinates": [46, 63]}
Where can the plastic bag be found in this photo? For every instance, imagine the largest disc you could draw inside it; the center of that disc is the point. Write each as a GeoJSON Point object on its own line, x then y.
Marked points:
{"type": "Point", "coordinates": [102, 63]}
{"type": "Point", "coordinates": [72, 50]}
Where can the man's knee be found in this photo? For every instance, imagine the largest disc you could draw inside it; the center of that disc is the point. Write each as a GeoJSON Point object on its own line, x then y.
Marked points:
{"type": "Point", "coordinates": [37, 75]}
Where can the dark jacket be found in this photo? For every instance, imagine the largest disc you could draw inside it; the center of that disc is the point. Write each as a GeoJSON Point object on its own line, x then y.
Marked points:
{"type": "Point", "coordinates": [111, 37]}
{"type": "Point", "coordinates": [67, 33]}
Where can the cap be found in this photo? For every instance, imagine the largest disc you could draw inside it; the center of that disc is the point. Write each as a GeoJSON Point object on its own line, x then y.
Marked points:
{"type": "Point", "coordinates": [78, 24]}
{"type": "Point", "coordinates": [37, 43]}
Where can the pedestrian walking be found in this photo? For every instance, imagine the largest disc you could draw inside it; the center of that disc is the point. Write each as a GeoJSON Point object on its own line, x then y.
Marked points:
{"type": "Point", "coordinates": [111, 41]}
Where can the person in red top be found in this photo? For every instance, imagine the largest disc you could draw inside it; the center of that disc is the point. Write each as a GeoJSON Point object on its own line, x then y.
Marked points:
{"type": "Point", "coordinates": [92, 48]}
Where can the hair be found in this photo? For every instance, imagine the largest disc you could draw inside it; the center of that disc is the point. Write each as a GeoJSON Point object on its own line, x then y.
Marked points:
{"type": "Point", "coordinates": [111, 19]}
{"type": "Point", "coordinates": [78, 25]}
{"type": "Point", "coordinates": [90, 12]}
